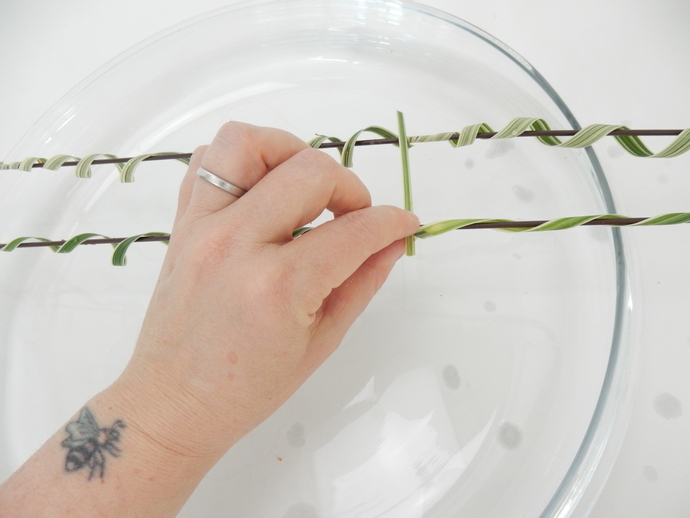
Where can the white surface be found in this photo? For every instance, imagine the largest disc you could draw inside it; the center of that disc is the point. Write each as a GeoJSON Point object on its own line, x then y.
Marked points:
{"type": "Point", "coordinates": [611, 61]}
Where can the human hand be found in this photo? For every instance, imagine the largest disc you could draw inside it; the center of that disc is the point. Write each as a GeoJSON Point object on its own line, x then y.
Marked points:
{"type": "Point", "coordinates": [242, 314]}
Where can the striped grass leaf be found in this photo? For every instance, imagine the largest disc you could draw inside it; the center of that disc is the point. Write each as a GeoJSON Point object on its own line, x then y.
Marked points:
{"type": "Point", "coordinates": [673, 218]}
{"type": "Point", "coordinates": [127, 171]}
{"type": "Point", "coordinates": [120, 252]}
{"type": "Point", "coordinates": [28, 163]}
{"type": "Point", "coordinates": [407, 182]}
{"type": "Point", "coordinates": [9, 247]}
{"type": "Point", "coordinates": [441, 227]}
{"type": "Point", "coordinates": [320, 139]}
{"type": "Point", "coordinates": [83, 169]}
{"type": "Point", "coordinates": [349, 147]}
{"type": "Point", "coordinates": [56, 162]}
{"type": "Point", "coordinates": [77, 240]}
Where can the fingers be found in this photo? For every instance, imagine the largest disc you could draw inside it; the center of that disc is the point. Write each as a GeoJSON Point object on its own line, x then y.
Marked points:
{"type": "Point", "coordinates": [241, 154]}
{"type": "Point", "coordinates": [188, 182]}
{"type": "Point", "coordinates": [292, 185]}
{"type": "Point", "coordinates": [332, 252]}
{"type": "Point", "coordinates": [297, 192]}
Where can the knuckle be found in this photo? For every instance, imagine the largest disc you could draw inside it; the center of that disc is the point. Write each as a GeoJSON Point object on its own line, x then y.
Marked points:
{"type": "Point", "coordinates": [236, 131]}
{"type": "Point", "coordinates": [194, 161]}
{"type": "Point", "coordinates": [320, 161]}
{"type": "Point", "coordinates": [363, 224]}
{"type": "Point", "coordinates": [199, 152]}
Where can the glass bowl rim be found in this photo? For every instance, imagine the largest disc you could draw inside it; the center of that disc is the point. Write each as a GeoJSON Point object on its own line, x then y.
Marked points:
{"type": "Point", "coordinates": [609, 416]}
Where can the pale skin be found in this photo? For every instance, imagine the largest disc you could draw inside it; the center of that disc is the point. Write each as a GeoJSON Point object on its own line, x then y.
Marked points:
{"type": "Point", "coordinates": [241, 315]}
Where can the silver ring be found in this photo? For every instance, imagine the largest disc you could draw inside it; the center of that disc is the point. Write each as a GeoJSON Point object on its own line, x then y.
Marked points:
{"type": "Point", "coordinates": [219, 182]}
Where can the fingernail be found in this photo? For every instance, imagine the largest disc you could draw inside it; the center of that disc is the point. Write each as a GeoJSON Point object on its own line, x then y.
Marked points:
{"type": "Point", "coordinates": [415, 217]}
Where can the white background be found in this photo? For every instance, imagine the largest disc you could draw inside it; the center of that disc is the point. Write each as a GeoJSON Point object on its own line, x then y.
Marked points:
{"type": "Point", "coordinates": [612, 61]}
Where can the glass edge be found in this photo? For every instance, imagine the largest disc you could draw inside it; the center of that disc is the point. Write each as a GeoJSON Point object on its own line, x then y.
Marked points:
{"type": "Point", "coordinates": [569, 492]}
{"type": "Point", "coordinates": [115, 61]}
{"type": "Point", "coordinates": [572, 489]}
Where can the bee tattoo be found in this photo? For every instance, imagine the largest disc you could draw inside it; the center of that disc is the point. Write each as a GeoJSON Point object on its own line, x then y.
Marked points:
{"type": "Point", "coordinates": [87, 442]}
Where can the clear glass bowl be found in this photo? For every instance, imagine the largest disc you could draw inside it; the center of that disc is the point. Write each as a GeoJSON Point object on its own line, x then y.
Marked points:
{"type": "Point", "coordinates": [487, 378]}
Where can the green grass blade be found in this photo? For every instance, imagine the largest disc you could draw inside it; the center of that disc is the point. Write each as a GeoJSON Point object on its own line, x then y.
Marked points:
{"type": "Point", "coordinates": [12, 245]}
{"type": "Point", "coordinates": [320, 139]}
{"type": "Point", "coordinates": [407, 182]}
{"type": "Point", "coordinates": [127, 171]}
{"type": "Point", "coordinates": [349, 147]}
{"type": "Point", "coordinates": [300, 231]}
{"type": "Point", "coordinates": [515, 127]}
{"type": "Point", "coordinates": [77, 240]}
{"type": "Point", "coordinates": [674, 218]}
{"type": "Point", "coordinates": [680, 145]}
{"type": "Point", "coordinates": [83, 169]}
{"type": "Point", "coordinates": [28, 163]}
{"type": "Point", "coordinates": [56, 162]}
{"type": "Point", "coordinates": [120, 252]}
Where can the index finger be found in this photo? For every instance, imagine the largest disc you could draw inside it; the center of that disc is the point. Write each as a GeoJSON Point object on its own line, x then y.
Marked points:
{"type": "Point", "coordinates": [295, 193]}
{"type": "Point", "coordinates": [332, 252]}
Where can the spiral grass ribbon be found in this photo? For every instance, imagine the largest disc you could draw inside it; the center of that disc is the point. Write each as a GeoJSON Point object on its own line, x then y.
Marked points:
{"type": "Point", "coordinates": [583, 138]}
{"type": "Point", "coordinates": [520, 126]}
{"type": "Point", "coordinates": [403, 142]}
{"type": "Point", "coordinates": [120, 245]}
{"type": "Point", "coordinates": [83, 166]}
{"type": "Point", "coordinates": [517, 127]}
{"type": "Point", "coordinates": [441, 227]}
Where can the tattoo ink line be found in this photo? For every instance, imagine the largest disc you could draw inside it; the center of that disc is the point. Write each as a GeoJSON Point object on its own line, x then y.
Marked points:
{"type": "Point", "coordinates": [87, 442]}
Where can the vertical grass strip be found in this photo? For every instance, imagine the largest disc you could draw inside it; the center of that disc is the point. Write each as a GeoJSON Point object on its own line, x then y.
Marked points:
{"type": "Point", "coordinates": [404, 145]}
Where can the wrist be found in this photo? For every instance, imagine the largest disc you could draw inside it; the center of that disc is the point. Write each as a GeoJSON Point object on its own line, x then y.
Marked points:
{"type": "Point", "coordinates": [108, 456]}
{"type": "Point", "coordinates": [153, 462]}
{"type": "Point", "coordinates": [166, 413]}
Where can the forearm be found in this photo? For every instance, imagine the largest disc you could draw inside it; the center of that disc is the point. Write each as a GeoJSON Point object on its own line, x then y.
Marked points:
{"type": "Point", "coordinates": [133, 475]}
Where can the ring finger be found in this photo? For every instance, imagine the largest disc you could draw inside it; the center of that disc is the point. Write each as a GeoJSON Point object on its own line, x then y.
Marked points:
{"type": "Point", "coordinates": [240, 154]}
